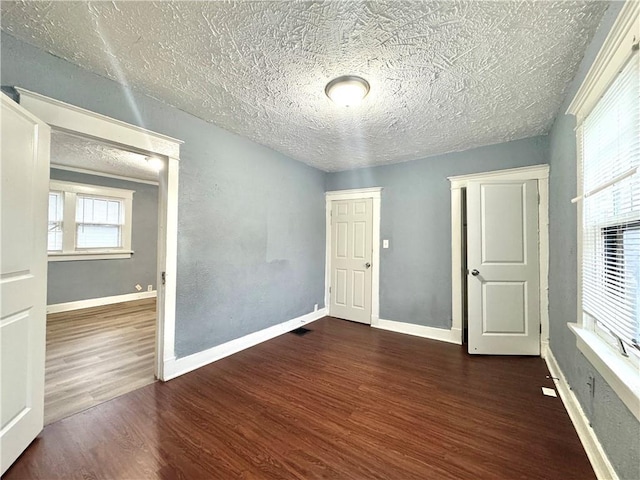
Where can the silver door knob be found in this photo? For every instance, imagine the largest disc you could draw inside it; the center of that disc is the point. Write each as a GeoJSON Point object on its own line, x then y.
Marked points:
{"type": "Point", "coordinates": [367, 265]}
{"type": "Point", "coordinates": [475, 272]}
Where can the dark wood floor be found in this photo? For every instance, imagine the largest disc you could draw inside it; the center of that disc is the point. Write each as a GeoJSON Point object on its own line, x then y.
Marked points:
{"type": "Point", "coordinates": [345, 401]}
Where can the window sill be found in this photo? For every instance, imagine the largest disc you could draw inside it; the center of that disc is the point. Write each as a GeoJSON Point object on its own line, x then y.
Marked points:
{"type": "Point", "coordinates": [90, 255]}
{"type": "Point", "coordinates": [620, 374]}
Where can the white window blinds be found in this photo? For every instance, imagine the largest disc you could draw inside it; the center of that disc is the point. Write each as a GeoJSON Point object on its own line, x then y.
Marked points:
{"type": "Point", "coordinates": [611, 214]}
{"type": "Point", "coordinates": [54, 238]}
{"type": "Point", "coordinates": [99, 222]}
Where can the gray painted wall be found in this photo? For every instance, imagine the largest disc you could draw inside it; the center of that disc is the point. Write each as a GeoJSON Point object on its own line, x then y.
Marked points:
{"type": "Point", "coordinates": [415, 271]}
{"type": "Point", "coordinates": [251, 220]}
{"type": "Point", "coordinates": [81, 280]}
{"type": "Point", "coordinates": [616, 427]}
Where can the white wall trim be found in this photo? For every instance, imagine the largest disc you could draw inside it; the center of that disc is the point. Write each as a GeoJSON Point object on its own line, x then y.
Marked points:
{"type": "Point", "coordinates": [521, 173]}
{"type": "Point", "coordinates": [535, 172]}
{"type": "Point", "coordinates": [620, 373]}
{"type": "Point", "coordinates": [375, 193]}
{"type": "Point", "coordinates": [441, 334]}
{"type": "Point", "coordinates": [98, 302]}
{"type": "Point", "coordinates": [77, 256]}
{"type": "Point", "coordinates": [599, 461]}
{"type": "Point", "coordinates": [179, 366]}
{"type": "Point", "coordinates": [86, 171]}
{"type": "Point", "coordinates": [615, 51]}
{"type": "Point", "coordinates": [69, 118]}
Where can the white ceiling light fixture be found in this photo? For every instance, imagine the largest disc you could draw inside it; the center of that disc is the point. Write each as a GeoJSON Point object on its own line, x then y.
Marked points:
{"type": "Point", "coordinates": [347, 90]}
{"type": "Point", "coordinates": [155, 163]}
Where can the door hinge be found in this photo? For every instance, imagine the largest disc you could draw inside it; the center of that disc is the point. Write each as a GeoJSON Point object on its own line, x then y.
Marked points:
{"type": "Point", "coordinates": [329, 289]}
{"type": "Point", "coordinates": [538, 199]}
{"type": "Point", "coordinates": [163, 276]}
{"type": "Point", "coordinates": [540, 328]}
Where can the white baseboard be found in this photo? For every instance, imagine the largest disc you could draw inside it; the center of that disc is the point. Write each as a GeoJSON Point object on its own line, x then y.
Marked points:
{"type": "Point", "coordinates": [544, 348]}
{"type": "Point", "coordinates": [451, 336]}
{"type": "Point", "coordinates": [97, 302]}
{"type": "Point", "coordinates": [179, 366]}
{"type": "Point", "coordinates": [599, 461]}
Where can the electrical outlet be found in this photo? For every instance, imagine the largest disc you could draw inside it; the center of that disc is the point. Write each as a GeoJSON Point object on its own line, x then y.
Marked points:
{"type": "Point", "coordinates": [315, 307]}
{"type": "Point", "coordinates": [138, 287]}
{"type": "Point", "coordinates": [149, 288]}
{"type": "Point", "coordinates": [385, 243]}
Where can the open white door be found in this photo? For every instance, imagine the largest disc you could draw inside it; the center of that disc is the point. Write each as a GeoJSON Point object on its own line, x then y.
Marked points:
{"type": "Point", "coordinates": [24, 174]}
{"type": "Point", "coordinates": [503, 263]}
{"type": "Point", "coordinates": [351, 252]}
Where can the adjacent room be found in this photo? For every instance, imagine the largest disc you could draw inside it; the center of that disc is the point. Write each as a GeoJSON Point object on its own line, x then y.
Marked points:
{"type": "Point", "coordinates": [320, 239]}
{"type": "Point", "coordinates": [101, 282]}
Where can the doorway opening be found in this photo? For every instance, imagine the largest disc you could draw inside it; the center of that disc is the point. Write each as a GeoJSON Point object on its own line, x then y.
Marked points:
{"type": "Point", "coordinates": [101, 287]}
{"type": "Point", "coordinates": [352, 273]}
{"type": "Point", "coordinates": [527, 187]}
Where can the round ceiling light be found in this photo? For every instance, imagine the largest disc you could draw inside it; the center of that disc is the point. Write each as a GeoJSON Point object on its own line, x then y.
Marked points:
{"type": "Point", "coordinates": [347, 90]}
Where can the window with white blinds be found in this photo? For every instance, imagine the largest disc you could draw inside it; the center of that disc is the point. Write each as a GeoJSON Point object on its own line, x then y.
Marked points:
{"type": "Point", "coordinates": [99, 222]}
{"type": "Point", "coordinates": [54, 238]}
{"type": "Point", "coordinates": [610, 145]}
{"type": "Point", "coordinates": [89, 222]}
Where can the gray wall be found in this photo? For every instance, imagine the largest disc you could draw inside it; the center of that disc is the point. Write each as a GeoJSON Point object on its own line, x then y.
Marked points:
{"type": "Point", "coordinates": [251, 220]}
{"type": "Point", "coordinates": [80, 280]}
{"type": "Point", "coordinates": [415, 271]}
{"type": "Point", "coordinates": [616, 427]}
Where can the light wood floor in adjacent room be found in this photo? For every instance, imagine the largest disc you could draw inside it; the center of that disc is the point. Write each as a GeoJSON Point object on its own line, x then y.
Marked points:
{"type": "Point", "coordinates": [96, 354]}
{"type": "Point", "coordinates": [344, 401]}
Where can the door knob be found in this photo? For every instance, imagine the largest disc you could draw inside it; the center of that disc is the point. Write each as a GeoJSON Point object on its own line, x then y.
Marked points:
{"type": "Point", "coordinates": [475, 272]}
{"type": "Point", "coordinates": [367, 265]}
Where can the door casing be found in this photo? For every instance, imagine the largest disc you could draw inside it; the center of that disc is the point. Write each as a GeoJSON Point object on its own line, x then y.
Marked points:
{"type": "Point", "coordinates": [458, 272]}
{"type": "Point", "coordinates": [375, 194]}
{"type": "Point", "coordinates": [63, 116]}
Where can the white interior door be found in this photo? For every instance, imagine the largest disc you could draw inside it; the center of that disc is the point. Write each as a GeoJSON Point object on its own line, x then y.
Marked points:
{"type": "Point", "coordinates": [503, 267]}
{"type": "Point", "coordinates": [24, 174]}
{"type": "Point", "coordinates": [351, 252]}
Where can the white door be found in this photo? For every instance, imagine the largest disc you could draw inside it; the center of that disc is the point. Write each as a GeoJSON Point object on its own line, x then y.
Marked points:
{"type": "Point", "coordinates": [351, 243]}
{"type": "Point", "coordinates": [502, 259]}
{"type": "Point", "coordinates": [24, 175]}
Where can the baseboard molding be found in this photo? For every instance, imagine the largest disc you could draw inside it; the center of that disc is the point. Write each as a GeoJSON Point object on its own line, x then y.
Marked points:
{"type": "Point", "coordinates": [451, 336]}
{"type": "Point", "coordinates": [544, 348]}
{"type": "Point", "coordinates": [179, 366]}
{"type": "Point", "coordinates": [599, 461]}
{"type": "Point", "coordinates": [97, 302]}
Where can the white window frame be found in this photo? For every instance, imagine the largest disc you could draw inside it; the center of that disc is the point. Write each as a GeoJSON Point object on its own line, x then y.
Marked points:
{"type": "Point", "coordinates": [70, 252]}
{"type": "Point", "coordinates": [621, 373]}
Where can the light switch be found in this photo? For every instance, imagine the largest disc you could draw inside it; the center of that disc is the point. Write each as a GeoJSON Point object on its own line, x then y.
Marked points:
{"type": "Point", "coordinates": [385, 243]}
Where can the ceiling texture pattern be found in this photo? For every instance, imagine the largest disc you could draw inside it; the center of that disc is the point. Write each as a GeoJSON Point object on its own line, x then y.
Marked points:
{"type": "Point", "coordinates": [445, 76]}
{"type": "Point", "coordinates": [69, 150]}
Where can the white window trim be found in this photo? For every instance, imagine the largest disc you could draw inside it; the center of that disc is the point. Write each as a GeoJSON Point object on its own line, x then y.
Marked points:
{"type": "Point", "coordinates": [619, 372]}
{"type": "Point", "coordinates": [69, 251]}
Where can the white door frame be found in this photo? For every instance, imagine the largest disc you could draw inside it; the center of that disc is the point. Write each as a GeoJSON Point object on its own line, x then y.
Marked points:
{"type": "Point", "coordinates": [375, 193]}
{"type": "Point", "coordinates": [69, 118]}
{"type": "Point", "coordinates": [536, 172]}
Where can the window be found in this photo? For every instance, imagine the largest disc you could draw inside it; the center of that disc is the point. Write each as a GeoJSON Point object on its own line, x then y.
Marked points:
{"type": "Point", "coordinates": [607, 109]}
{"type": "Point", "coordinates": [611, 209]}
{"type": "Point", "coordinates": [54, 241]}
{"type": "Point", "coordinates": [88, 222]}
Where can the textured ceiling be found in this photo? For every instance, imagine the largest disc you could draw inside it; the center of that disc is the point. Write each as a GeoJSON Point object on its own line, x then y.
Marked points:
{"type": "Point", "coordinates": [445, 76]}
{"type": "Point", "coordinates": [77, 152]}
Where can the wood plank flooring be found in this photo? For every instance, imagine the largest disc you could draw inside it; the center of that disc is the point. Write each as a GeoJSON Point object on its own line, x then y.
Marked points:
{"type": "Point", "coordinates": [344, 401]}
{"type": "Point", "coordinates": [96, 354]}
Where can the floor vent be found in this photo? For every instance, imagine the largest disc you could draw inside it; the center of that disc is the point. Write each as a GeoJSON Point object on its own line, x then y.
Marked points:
{"type": "Point", "coordinates": [300, 331]}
